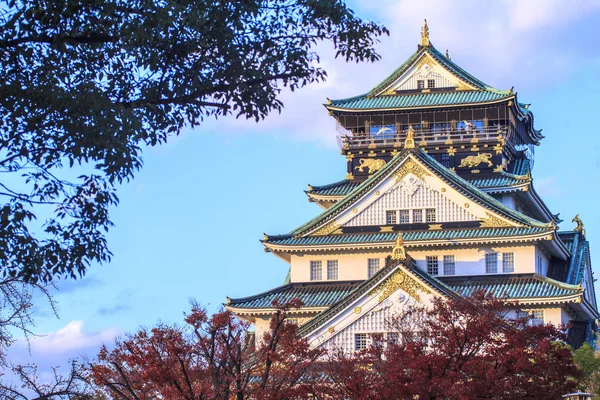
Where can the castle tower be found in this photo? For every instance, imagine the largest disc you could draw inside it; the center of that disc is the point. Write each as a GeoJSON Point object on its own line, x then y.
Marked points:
{"type": "Point", "coordinates": [438, 173]}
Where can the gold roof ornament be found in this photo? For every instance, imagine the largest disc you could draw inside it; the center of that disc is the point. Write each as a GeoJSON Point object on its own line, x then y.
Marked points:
{"type": "Point", "coordinates": [579, 227]}
{"type": "Point", "coordinates": [398, 253]}
{"type": "Point", "coordinates": [409, 143]}
{"type": "Point", "coordinates": [425, 34]}
{"type": "Point", "coordinates": [447, 54]}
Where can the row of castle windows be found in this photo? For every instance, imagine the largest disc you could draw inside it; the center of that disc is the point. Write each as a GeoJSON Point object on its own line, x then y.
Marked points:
{"type": "Point", "coordinates": [491, 264]}
{"type": "Point", "coordinates": [433, 266]}
{"type": "Point", "coordinates": [404, 216]}
{"type": "Point", "coordinates": [316, 269]}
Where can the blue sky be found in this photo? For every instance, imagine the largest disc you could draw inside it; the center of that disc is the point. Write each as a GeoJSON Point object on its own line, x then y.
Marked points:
{"type": "Point", "coordinates": [189, 225]}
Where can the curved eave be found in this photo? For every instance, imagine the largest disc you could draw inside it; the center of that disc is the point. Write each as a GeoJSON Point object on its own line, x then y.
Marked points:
{"type": "Point", "coordinates": [274, 247]}
{"type": "Point", "coordinates": [568, 299]}
{"type": "Point", "coordinates": [536, 135]}
{"type": "Point", "coordinates": [323, 197]}
{"type": "Point", "coordinates": [522, 187]}
{"type": "Point", "coordinates": [332, 107]}
{"type": "Point", "coordinates": [269, 311]}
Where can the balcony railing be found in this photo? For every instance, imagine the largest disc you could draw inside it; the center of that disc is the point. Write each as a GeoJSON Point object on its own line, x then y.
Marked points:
{"type": "Point", "coordinates": [387, 136]}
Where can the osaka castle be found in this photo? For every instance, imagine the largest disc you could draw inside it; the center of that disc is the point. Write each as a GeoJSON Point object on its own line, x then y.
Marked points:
{"type": "Point", "coordinates": [438, 199]}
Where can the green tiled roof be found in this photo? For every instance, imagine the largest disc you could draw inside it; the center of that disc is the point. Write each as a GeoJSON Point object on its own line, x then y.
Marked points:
{"type": "Point", "coordinates": [442, 172]}
{"type": "Point", "coordinates": [370, 101]}
{"type": "Point", "coordinates": [408, 236]}
{"type": "Point", "coordinates": [511, 286]}
{"type": "Point", "coordinates": [340, 188]}
{"type": "Point", "coordinates": [326, 294]}
{"type": "Point", "coordinates": [313, 294]}
{"type": "Point", "coordinates": [498, 180]}
{"type": "Point", "coordinates": [439, 57]}
{"type": "Point", "coordinates": [417, 100]}
{"type": "Point", "coordinates": [573, 272]}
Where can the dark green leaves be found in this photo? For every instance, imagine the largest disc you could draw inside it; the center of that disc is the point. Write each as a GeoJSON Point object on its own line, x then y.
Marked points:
{"type": "Point", "coordinates": [86, 84]}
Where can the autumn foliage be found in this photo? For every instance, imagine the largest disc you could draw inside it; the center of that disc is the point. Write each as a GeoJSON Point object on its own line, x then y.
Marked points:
{"type": "Point", "coordinates": [211, 357]}
{"type": "Point", "coordinates": [458, 349]}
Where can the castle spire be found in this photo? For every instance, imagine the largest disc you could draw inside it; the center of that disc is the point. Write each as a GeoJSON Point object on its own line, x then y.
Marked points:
{"type": "Point", "coordinates": [425, 34]}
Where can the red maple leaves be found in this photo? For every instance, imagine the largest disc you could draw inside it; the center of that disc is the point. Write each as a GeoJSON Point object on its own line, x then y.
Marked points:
{"type": "Point", "coordinates": [458, 349]}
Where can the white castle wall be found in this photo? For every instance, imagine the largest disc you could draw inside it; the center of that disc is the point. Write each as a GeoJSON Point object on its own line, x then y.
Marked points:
{"type": "Point", "coordinates": [469, 261]}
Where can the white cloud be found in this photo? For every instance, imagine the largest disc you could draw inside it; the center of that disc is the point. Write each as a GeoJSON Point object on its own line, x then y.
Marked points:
{"type": "Point", "coordinates": [70, 338]}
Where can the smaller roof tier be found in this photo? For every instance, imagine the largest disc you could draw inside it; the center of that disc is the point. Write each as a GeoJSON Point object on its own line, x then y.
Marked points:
{"type": "Point", "coordinates": [501, 180]}
{"type": "Point", "coordinates": [452, 179]}
{"type": "Point", "coordinates": [416, 100]}
{"type": "Point", "coordinates": [313, 294]}
{"type": "Point", "coordinates": [408, 236]}
{"type": "Point", "coordinates": [527, 286]}
{"type": "Point", "coordinates": [340, 188]}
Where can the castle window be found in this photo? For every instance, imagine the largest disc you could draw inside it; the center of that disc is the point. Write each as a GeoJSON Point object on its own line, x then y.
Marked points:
{"type": "Point", "coordinates": [316, 271]}
{"type": "Point", "coordinates": [449, 265]}
{"type": "Point", "coordinates": [508, 262]}
{"type": "Point", "coordinates": [533, 317]}
{"type": "Point", "coordinates": [538, 265]}
{"type": "Point", "coordinates": [360, 341]}
{"type": "Point", "coordinates": [445, 160]}
{"type": "Point", "coordinates": [432, 265]}
{"type": "Point", "coordinates": [430, 215]}
{"type": "Point", "coordinates": [393, 338]}
{"type": "Point", "coordinates": [391, 217]}
{"type": "Point", "coordinates": [404, 216]}
{"type": "Point", "coordinates": [420, 84]}
{"type": "Point", "coordinates": [417, 216]}
{"type": "Point", "coordinates": [537, 317]}
{"type": "Point", "coordinates": [332, 269]}
{"type": "Point", "coordinates": [373, 266]}
{"type": "Point", "coordinates": [430, 83]}
{"type": "Point", "coordinates": [491, 263]}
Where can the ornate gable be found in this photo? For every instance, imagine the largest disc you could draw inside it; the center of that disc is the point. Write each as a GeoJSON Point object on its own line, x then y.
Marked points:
{"type": "Point", "coordinates": [431, 74]}
{"type": "Point", "coordinates": [412, 186]}
{"type": "Point", "coordinates": [391, 292]}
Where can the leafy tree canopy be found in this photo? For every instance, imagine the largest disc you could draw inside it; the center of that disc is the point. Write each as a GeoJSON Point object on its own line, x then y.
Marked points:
{"type": "Point", "coordinates": [89, 83]}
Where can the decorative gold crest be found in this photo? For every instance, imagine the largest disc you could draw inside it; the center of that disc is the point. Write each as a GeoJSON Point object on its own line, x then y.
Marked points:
{"type": "Point", "coordinates": [372, 165]}
{"type": "Point", "coordinates": [492, 221]}
{"type": "Point", "coordinates": [398, 253]}
{"type": "Point", "coordinates": [579, 227]}
{"type": "Point", "coordinates": [473, 161]}
{"type": "Point", "coordinates": [410, 167]}
{"type": "Point", "coordinates": [399, 280]}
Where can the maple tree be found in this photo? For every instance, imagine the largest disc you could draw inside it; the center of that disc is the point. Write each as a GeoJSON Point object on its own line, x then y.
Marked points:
{"type": "Point", "coordinates": [210, 357]}
{"type": "Point", "coordinates": [463, 348]}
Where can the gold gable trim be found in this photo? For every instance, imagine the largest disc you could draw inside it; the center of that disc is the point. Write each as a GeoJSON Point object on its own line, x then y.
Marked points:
{"type": "Point", "coordinates": [399, 280]}
{"type": "Point", "coordinates": [491, 221]}
{"type": "Point", "coordinates": [330, 228]}
{"type": "Point", "coordinates": [410, 167]}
